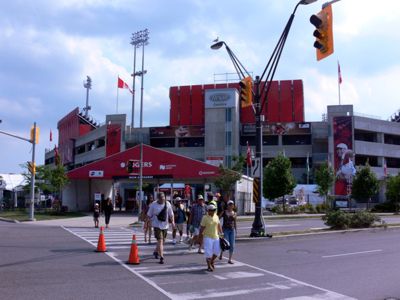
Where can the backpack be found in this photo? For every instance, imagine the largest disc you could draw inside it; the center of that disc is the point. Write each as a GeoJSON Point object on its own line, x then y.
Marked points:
{"type": "Point", "coordinates": [162, 215]}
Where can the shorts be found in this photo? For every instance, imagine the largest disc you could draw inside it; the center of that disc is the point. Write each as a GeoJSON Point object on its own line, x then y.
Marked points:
{"type": "Point", "coordinates": [160, 234]}
{"type": "Point", "coordinates": [211, 247]}
{"type": "Point", "coordinates": [196, 231]}
{"type": "Point", "coordinates": [179, 227]}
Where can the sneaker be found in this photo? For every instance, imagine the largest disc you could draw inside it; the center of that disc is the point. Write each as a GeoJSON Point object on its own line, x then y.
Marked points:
{"type": "Point", "coordinates": [155, 253]}
{"type": "Point", "coordinates": [180, 240]}
{"type": "Point", "coordinates": [201, 251]}
{"type": "Point", "coordinates": [161, 260]}
{"type": "Point", "coordinates": [174, 241]}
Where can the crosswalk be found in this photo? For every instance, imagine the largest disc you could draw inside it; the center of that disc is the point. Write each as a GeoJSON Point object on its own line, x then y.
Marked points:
{"type": "Point", "coordinates": [121, 238]}
{"type": "Point", "coordinates": [237, 281]}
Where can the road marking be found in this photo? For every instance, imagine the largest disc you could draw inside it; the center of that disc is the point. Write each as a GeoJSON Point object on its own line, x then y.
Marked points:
{"type": "Point", "coordinates": [234, 275]}
{"type": "Point", "coordinates": [324, 296]}
{"type": "Point", "coordinates": [352, 253]}
{"type": "Point", "coordinates": [169, 268]}
{"type": "Point", "coordinates": [287, 283]}
{"type": "Point", "coordinates": [127, 267]}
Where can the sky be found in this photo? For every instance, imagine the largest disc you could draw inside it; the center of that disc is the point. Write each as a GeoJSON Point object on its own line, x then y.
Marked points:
{"type": "Point", "coordinates": [47, 48]}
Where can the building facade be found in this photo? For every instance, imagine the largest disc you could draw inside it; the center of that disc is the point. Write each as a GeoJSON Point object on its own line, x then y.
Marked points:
{"type": "Point", "coordinates": [207, 123]}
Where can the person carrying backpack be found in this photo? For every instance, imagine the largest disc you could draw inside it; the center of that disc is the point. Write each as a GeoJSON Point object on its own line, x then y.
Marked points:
{"type": "Point", "coordinates": [160, 212]}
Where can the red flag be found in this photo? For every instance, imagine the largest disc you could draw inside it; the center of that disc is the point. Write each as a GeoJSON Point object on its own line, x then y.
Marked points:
{"type": "Point", "coordinates": [51, 136]}
{"type": "Point", "coordinates": [339, 74]}
{"type": "Point", "coordinates": [123, 85]}
{"type": "Point", "coordinates": [248, 155]}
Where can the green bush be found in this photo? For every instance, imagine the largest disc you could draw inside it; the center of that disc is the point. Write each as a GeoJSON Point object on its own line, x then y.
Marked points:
{"type": "Point", "coordinates": [321, 207]}
{"type": "Point", "coordinates": [337, 219]}
{"type": "Point", "coordinates": [363, 219]}
{"type": "Point", "coordinates": [309, 208]}
{"type": "Point", "coordinates": [277, 209]}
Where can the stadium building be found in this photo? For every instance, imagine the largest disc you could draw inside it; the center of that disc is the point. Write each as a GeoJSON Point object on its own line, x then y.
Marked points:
{"type": "Point", "coordinates": [208, 127]}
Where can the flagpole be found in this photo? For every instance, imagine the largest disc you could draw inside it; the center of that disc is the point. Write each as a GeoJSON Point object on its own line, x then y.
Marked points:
{"type": "Point", "coordinates": [117, 96]}
{"type": "Point", "coordinates": [339, 81]}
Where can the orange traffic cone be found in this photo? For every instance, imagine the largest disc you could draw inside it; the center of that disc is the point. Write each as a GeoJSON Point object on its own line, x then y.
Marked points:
{"type": "Point", "coordinates": [134, 255]}
{"type": "Point", "coordinates": [101, 244]}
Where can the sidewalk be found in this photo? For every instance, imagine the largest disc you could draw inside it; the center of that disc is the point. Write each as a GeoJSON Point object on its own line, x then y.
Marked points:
{"type": "Point", "coordinates": [116, 220]}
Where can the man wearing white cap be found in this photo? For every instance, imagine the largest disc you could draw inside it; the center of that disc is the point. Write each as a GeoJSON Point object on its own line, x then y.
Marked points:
{"type": "Point", "coordinates": [211, 229]}
{"type": "Point", "coordinates": [196, 214]}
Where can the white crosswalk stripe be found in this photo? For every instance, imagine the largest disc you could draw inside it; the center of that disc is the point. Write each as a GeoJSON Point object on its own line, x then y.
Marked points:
{"type": "Point", "coordinates": [121, 238]}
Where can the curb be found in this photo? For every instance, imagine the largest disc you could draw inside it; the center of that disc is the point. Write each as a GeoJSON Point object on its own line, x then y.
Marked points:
{"type": "Point", "coordinates": [8, 220]}
{"type": "Point", "coordinates": [281, 235]}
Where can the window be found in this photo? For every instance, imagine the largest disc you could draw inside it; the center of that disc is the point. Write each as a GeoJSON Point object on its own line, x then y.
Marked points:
{"type": "Point", "coordinates": [228, 138]}
{"type": "Point", "coordinates": [296, 139]}
{"type": "Point", "coordinates": [162, 142]}
{"type": "Point", "coordinates": [392, 139]}
{"type": "Point", "coordinates": [191, 142]}
{"type": "Point", "coordinates": [366, 136]}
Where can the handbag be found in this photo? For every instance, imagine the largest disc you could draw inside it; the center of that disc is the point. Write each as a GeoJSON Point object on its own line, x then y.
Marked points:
{"type": "Point", "coordinates": [162, 215]}
{"type": "Point", "coordinates": [224, 244]}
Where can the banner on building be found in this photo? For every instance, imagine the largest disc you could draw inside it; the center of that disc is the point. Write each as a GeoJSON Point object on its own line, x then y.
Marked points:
{"type": "Point", "coordinates": [343, 160]}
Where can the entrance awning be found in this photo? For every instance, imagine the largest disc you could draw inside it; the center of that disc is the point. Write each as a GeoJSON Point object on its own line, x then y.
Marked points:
{"type": "Point", "coordinates": [157, 163]}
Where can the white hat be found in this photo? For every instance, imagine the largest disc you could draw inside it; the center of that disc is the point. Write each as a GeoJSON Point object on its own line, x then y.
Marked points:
{"type": "Point", "coordinates": [178, 199]}
{"type": "Point", "coordinates": [211, 207]}
{"type": "Point", "coordinates": [231, 202]}
{"type": "Point", "coordinates": [200, 197]}
{"type": "Point", "coordinates": [342, 146]}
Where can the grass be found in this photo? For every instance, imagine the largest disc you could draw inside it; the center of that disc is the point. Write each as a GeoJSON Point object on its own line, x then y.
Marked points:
{"type": "Point", "coordinates": [22, 215]}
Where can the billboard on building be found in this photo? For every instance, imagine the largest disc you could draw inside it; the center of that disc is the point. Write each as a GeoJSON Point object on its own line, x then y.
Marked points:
{"type": "Point", "coordinates": [344, 156]}
{"type": "Point", "coordinates": [177, 131]}
{"type": "Point", "coordinates": [289, 128]}
{"type": "Point", "coordinates": [221, 98]}
{"type": "Point", "coordinates": [113, 139]}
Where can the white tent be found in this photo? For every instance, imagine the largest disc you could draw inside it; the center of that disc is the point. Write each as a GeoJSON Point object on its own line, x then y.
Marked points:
{"type": "Point", "coordinates": [12, 182]}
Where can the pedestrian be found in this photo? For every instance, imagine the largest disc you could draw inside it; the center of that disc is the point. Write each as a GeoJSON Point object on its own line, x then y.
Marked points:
{"type": "Point", "coordinates": [96, 215]}
{"type": "Point", "coordinates": [118, 201]}
{"type": "Point", "coordinates": [211, 229]}
{"type": "Point", "coordinates": [146, 220]}
{"type": "Point", "coordinates": [108, 210]}
{"type": "Point", "coordinates": [160, 212]}
{"type": "Point", "coordinates": [198, 211]}
{"type": "Point", "coordinates": [180, 219]}
{"type": "Point", "coordinates": [229, 228]}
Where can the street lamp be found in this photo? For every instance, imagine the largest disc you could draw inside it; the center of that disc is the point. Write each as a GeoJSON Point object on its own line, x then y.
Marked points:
{"type": "Point", "coordinates": [258, 226]}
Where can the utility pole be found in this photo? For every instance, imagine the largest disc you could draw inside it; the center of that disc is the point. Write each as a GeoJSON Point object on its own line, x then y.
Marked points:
{"type": "Point", "coordinates": [87, 85]}
{"type": "Point", "coordinates": [32, 204]}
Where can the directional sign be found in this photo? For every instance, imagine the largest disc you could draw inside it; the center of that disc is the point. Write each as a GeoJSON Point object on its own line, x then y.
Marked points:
{"type": "Point", "coordinates": [255, 168]}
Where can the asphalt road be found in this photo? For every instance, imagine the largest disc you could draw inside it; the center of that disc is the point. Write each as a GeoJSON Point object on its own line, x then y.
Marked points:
{"type": "Point", "coordinates": [59, 263]}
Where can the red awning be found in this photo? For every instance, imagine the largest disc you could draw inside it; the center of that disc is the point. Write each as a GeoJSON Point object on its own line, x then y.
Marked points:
{"type": "Point", "coordinates": [156, 164]}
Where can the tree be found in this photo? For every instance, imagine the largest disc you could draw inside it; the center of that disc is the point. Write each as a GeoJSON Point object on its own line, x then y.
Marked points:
{"type": "Point", "coordinates": [324, 178]}
{"type": "Point", "coordinates": [393, 191]}
{"type": "Point", "coordinates": [365, 185]}
{"type": "Point", "coordinates": [58, 178]}
{"type": "Point", "coordinates": [228, 177]}
{"type": "Point", "coordinates": [278, 179]}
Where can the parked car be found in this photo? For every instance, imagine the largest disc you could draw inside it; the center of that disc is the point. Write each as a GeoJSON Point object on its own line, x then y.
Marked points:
{"type": "Point", "coordinates": [267, 204]}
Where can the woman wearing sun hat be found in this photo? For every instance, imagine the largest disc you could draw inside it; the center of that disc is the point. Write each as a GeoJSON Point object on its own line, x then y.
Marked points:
{"type": "Point", "coordinates": [210, 228]}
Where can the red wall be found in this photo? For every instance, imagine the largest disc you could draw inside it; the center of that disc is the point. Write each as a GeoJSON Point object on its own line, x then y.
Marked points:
{"type": "Point", "coordinates": [285, 103]}
{"type": "Point", "coordinates": [113, 139]}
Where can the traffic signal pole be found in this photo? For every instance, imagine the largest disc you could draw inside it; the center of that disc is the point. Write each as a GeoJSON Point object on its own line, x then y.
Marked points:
{"type": "Point", "coordinates": [258, 227]}
{"type": "Point", "coordinates": [33, 141]}
{"type": "Point", "coordinates": [32, 202]}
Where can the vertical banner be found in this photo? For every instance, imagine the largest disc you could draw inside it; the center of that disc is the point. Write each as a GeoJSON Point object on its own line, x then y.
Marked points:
{"type": "Point", "coordinates": [113, 139]}
{"type": "Point", "coordinates": [344, 155]}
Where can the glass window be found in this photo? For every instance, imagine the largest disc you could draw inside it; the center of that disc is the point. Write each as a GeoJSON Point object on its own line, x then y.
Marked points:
{"type": "Point", "coordinates": [296, 139]}
{"type": "Point", "coordinates": [162, 142]}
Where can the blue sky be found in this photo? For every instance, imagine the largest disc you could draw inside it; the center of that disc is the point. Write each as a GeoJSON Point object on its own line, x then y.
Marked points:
{"type": "Point", "coordinates": [48, 47]}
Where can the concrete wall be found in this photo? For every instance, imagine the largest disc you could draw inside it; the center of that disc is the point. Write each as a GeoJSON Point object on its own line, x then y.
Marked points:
{"type": "Point", "coordinates": [79, 194]}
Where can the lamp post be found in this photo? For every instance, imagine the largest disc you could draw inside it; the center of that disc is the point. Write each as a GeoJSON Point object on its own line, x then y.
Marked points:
{"type": "Point", "coordinates": [260, 87]}
{"type": "Point", "coordinates": [139, 38]}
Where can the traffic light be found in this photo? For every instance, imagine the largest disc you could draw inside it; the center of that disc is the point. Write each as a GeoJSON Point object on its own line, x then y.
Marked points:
{"type": "Point", "coordinates": [246, 91]}
{"type": "Point", "coordinates": [129, 166]}
{"type": "Point", "coordinates": [323, 32]}
{"type": "Point", "coordinates": [32, 167]}
{"type": "Point", "coordinates": [37, 134]}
